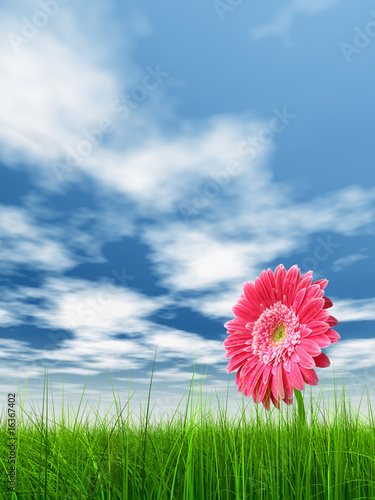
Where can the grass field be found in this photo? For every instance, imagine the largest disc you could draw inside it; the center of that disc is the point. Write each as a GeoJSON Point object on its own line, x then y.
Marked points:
{"type": "Point", "coordinates": [191, 455]}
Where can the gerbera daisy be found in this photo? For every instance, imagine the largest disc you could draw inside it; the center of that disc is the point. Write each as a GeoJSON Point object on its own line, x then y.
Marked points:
{"type": "Point", "coordinates": [281, 325]}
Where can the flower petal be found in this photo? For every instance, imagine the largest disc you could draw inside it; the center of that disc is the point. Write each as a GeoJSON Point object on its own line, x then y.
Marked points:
{"type": "Point", "coordinates": [321, 339]}
{"type": "Point", "coordinates": [310, 376]}
{"type": "Point", "coordinates": [292, 280]}
{"type": "Point", "coordinates": [237, 361]}
{"type": "Point", "coordinates": [274, 401]}
{"type": "Point", "coordinates": [249, 326]}
{"type": "Point", "coordinates": [266, 400]}
{"type": "Point", "coordinates": [266, 374]}
{"type": "Point", "coordinates": [318, 326]}
{"type": "Point", "coordinates": [295, 377]}
{"type": "Point", "coordinates": [287, 386]}
{"type": "Point", "coordinates": [328, 302]}
{"type": "Point", "coordinates": [251, 364]}
{"type": "Point", "coordinates": [280, 274]}
{"type": "Point", "coordinates": [310, 346]}
{"type": "Point", "coordinates": [253, 297]}
{"type": "Point", "coordinates": [233, 351]}
{"type": "Point", "coordinates": [298, 300]}
{"type": "Point", "coordinates": [244, 313]}
{"type": "Point", "coordinates": [233, 338]}
{"type": "Point", "coordinates": [277, 383]}
{"type": "Point", "coordinates": [322, 283]}
{"type": "Point", "coordinates": [239, 375]}
{"type": "Point", "coordinates": [272, 278]}
{"type": "Point", "coordinates": [252, 378]}
{"type": "Point", "coordinates": [333, 336]}
{"type": "Point", "coordinates": [305, 359]}
{"type": "Point", "coordinates": [305, 281]}
{"type": "Point", "coordinates": [262, 292]}
{"type": "Point", "coordinates": [310, 310]}
{"type": "Point", "coordinates": [261, 385]}
{"type": "Point", "coordinates": [286, 363]}
{"type": "Point", "coordinates": [332, 321]}
{"type": "Point", "coordinates": [288, 400]}
{"type": "Point", "coordinates": [323, 315]}
{"type": "Point", "coordinates": [264, 276]}
{"type": "Point", "coordinates": [311, 293]}
{"type": "Point", "coordinates": [322, 361]}
{"type": "Point", "coordinates": [294, 357]}
{"type": "Point", "coordinates": [242, 301]}
{"type": "Point", "coordinates": [235, 324]}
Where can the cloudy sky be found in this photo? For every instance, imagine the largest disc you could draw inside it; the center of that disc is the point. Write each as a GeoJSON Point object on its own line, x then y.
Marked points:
{"type": "Point", "coordinates": [153, 158]}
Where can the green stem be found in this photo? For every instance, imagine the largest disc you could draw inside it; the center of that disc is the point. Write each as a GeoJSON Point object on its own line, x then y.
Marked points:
{"type": "Point", "coordinates": [301, 408]}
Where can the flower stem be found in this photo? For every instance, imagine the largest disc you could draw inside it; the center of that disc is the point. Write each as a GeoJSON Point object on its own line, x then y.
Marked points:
{"type": "Point", "coordinates": [301, 408]}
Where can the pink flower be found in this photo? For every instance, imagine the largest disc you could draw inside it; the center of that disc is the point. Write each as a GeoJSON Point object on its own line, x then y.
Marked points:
{"type": "Point", "coordinates": [276, 339]}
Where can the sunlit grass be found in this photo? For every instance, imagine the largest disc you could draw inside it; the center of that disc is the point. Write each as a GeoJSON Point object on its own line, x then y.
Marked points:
{"type": "Point", "coordinates": [193, 456]}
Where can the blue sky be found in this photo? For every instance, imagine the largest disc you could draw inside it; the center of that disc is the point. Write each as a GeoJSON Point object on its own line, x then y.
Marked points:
{"type": "Point", "coordinates": [154, 157]}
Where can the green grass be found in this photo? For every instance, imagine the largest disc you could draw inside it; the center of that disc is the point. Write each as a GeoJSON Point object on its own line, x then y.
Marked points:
{"type": "Point", "coordinates": [193, 456]}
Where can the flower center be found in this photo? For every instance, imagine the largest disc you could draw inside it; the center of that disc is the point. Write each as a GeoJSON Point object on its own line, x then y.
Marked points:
{"type": "Point", "coordinates": [276, 334]}
{"type": "Point", "coordinates": [279, 334]}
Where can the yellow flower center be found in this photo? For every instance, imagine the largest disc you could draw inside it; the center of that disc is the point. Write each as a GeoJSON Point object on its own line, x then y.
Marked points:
{"type": "Point", "coordinates": [279, 334]}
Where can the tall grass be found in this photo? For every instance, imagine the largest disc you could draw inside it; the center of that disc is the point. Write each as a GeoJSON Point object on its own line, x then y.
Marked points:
{"type": "Point", "coordinates": [192, 456]}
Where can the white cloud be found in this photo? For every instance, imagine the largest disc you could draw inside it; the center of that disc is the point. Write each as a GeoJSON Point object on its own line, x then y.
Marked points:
{"type": "Point", "coordinates": [192, 259]}
{"type": "Point", "coordinates": [217, 305]}
{"type": "Point", "coordinates": [184, 345]}
{"type": "Point", "coordinates": [353, 309]}
{"type": "Point", "coordinates": [349, 211]}
{"type": "Point", "coordinates": [7, 318]}
{"type": "Point", "coordinates": [94, 309]}
{"type": "Point", "coordinates": [162, 172]}
{"type": "Point", "coordinates": [24, 242]}
{"type": "Point", "coordinates": [57, 85]}
{"type": "Point", "coordinates": [37, 237]}
{"type": "Point", "coordinates": [348, 260]}
{"type": "Point", "coordinates": [236, 247]}
{"type": "Point", "coordinates": [94, 313]}
{"type": "Point", "coordinates": [354, 354]}
{"type": "Point", "coordinates": [284, 19]}
{"type": "Point", "coordinates": [64, 93]}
